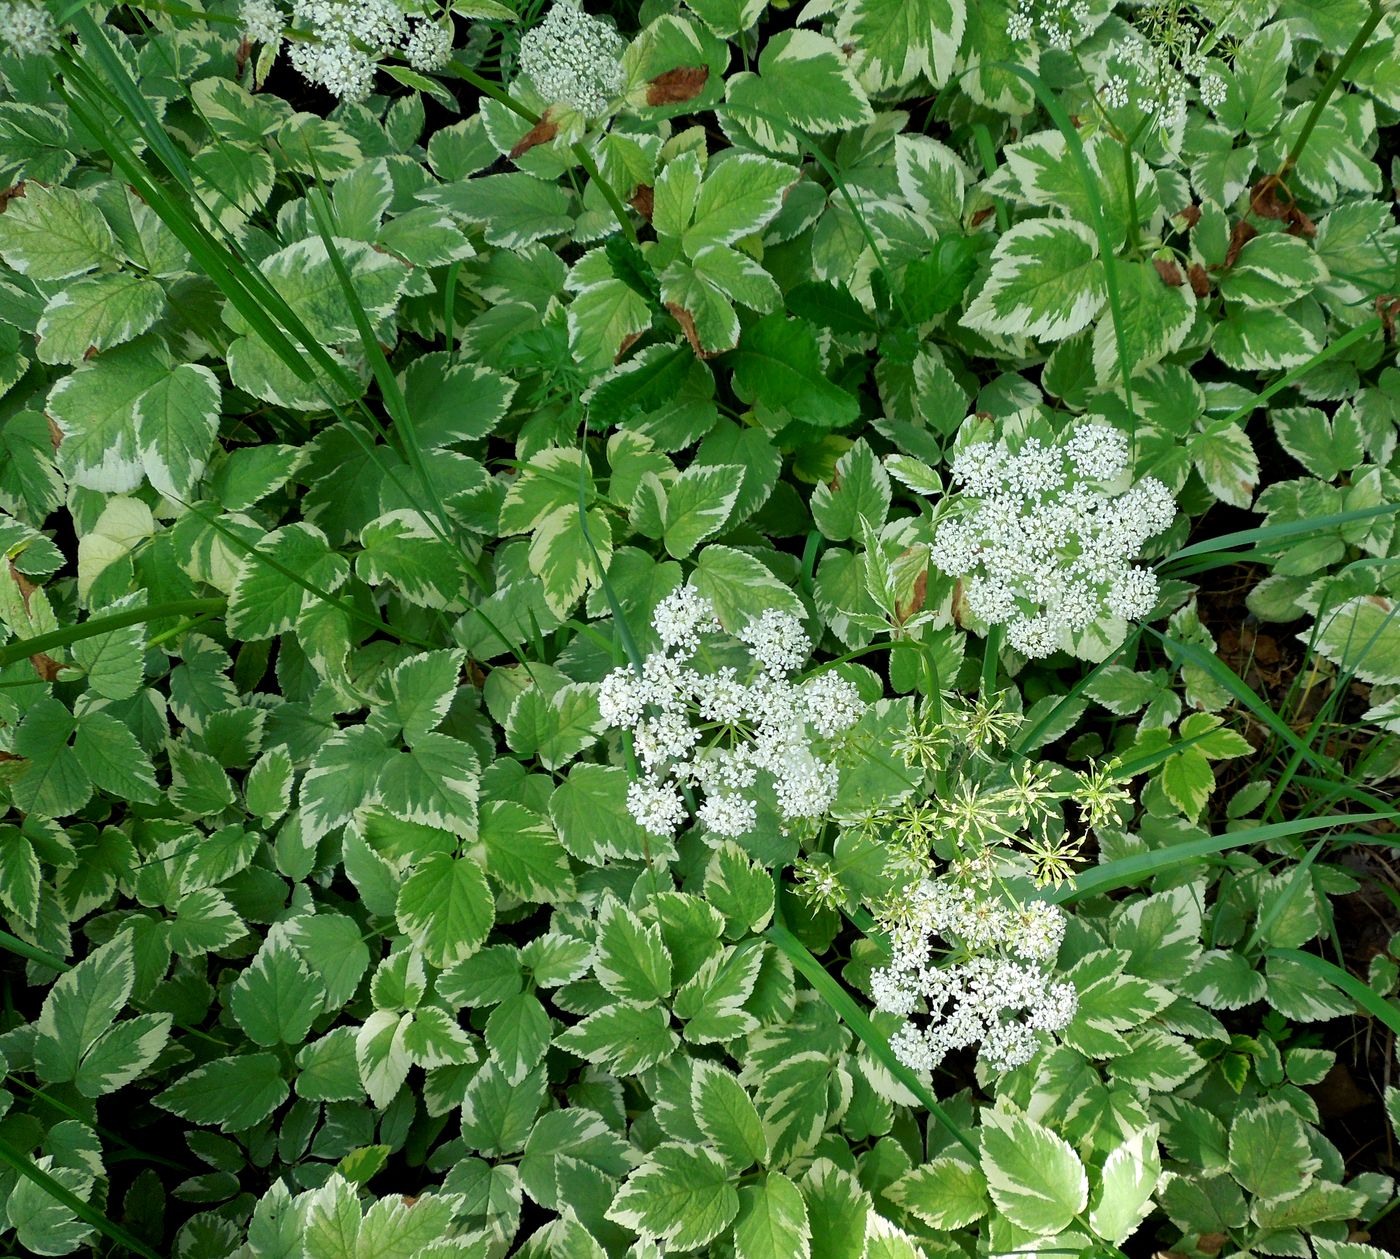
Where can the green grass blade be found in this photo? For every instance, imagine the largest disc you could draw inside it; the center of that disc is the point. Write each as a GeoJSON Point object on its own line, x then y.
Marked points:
{"type": "Point", "coordinates": [1272, 533]}
{"type": "Point", "coordinates": [94, 625]}
{"type": "Point", "coordinates": [1128, 871]}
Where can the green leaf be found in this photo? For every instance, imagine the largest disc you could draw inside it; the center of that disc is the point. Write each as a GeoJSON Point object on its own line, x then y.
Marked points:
{"type": "Point", "coordinates": [1156, 320]}
{"type": "Point", "coordinates": [896, 41]}
{"type": "Point", "coordinates": [305, 277]}
{"type": "Point", "coordinates": [1188, 780]}
{"type": "Point", "coordinates": [1264, 339]}
{"type": "Point", "coordinates": [453, 402]}
{"type": "Point", "coordinates": [631, 961]}
{"type": "Point", "coordinates": [555, 727]}
{"type": "Point", "coordinates": [1361, 637]}
{"type": "Point", "coordinates": [740, 889]}
{"type": "Point", "coordinates": [1272, 269]}
{"type": "Point", "coordinates": [1046, 281]}
{"type": "Point", "coordinates": [381, 1050]}
{"type": "Point", "coordinates": [277, 997]}
{"type": "Point", "coordinates": [604, 319]}
{"type": "Point", "coordinates": [727, 18]}
{"type": "Point", "coordinates": [343, 776]}
{"type": "Point", "coordinates": [681, 1195]}
{"type": "Point", "coordinates": [625, 1038]}
{"type": "Point", "coordinates": [517, 1034]}
{"type": "Point", "coordinates": [727, 1116]}
{"type": "Point", "coordinates": [778, 363]}
{"type": "Point", "coordinates": [446, 908]}
{"type": "Point", "coordinates": [523, 854]}
{"type": "Point", "coordinates": [712, 1001]}
{"type": "Point", "coordinates": [698, 502]}
{"type": "Point", "coordinates": [52, 233]}
{"type": "Point", "coordinates": [94, 407]}
{"type": "Point", "coordinates": [1269, 1152]}
{"type": "Point", "coordinates": [81, 1007]}
{"type": "Point", "coordinates": [803, 81]}
{"type": "Point", "coordinates": [561, 557]}
{"type": "Point", "coordinates": [772, 1222]}
{"type": "Point", "coordinates": [1123, 1197]}
{"type": "Point", "coordinates": [420, 690]}
{"type": "Point", "coordinates": [111, 756]}
{"type": "Point", "coordinates": [589, 810]}
{"type": "Point", "coordinates": [96, 314]}
{"type": "Point", "coordinates": [948, 1193]}
{"type": "Point", "coordinates": [740, 195]}
{"type": "Point", "coordinates": [740, 587]}
{"type": "Point", "coordinates": [19, 874]}
{"type": "Point", "coordinates": [266, 601]}
{"type": "Point", "coordinates": [177, 419]}
{"type": "Point", "coordinates": [1035, 1178]}
{"type": "Point", "coordinates": [1224, 456]}
{"type": "Point", "coordinates": [433, 783]}
{"type": "Point", "coordinates": [701, 308]}
{"type": "Point", "coordinates": [859, 491]}
{"type": "Point", "coordinates": [113, 661]}
{"type": "Point", "coordinates": [497, 1116]}
{"type": "Point", "coordinates": [513, 208]}
{"type": "Point", "coordinates": [234, 1092]}
{"type": "Point", "coordinates": [52, 783]}
{"type": "Point", "coordinates": [122, 1054]}
{"type": "Point", "coordinates": [1326, 447]}
{"type": "Point", "coordinates": [44, 1224]}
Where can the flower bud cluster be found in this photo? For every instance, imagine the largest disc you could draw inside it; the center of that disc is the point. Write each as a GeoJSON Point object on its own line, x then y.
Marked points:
{"type": "Point", "coordinates": [1044, 545]}
{"type": "Point", "coordinates": [574, 60]}
{"type": "Point", "coordinates": [969, 967]}
{"type": "Point", "coordinates": [734, 737]}
{"type": "Point", "coordinates": [345, 39]}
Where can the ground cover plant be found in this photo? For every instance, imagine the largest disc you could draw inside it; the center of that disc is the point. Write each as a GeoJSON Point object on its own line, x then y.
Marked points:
{"type": "Point", "coordinates": [699, 626]}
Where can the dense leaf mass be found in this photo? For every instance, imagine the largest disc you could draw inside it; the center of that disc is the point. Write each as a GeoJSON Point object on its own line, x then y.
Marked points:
{"type": "Point", "coordinates": [703, 627]}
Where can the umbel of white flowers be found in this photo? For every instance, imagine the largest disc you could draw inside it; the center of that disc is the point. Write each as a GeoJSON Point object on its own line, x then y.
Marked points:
{"type": "Point", "coordinates": [27, 28]}
{"type": "Point", "coordinates": [574, 60]}
{"type": "Point", "coordinates": [731, 736]}
{"type": "Point", "coordinates": [967, 968]}
{"type": "Point", "coordinates": [1044, 543]}
{"type": "Point", "coordinates": [346, 37]}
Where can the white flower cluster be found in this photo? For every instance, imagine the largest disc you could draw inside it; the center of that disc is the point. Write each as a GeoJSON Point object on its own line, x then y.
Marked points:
{"type": "Point", "coordinates": [27, 28]}
{"type": "Point", "coordinates": [574, 59]}
{"type": "Point", "coordinates": [346, 38]}
{"type": "Point", "coordinates": [1157, 78]}
{"type": "Point", "coordinates": [728, 736]}
{"type": "Point", "coordinates": [996, 993]}
{"type": "Point", "coordinates": [1059, 23]}
{"type": "Point", "coordinates": [1045, 545]}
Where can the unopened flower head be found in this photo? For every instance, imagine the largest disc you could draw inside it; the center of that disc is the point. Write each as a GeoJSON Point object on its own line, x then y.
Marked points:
{"type": "Point", "coordinates": [1044, 543]}
{"type": "Point", "coordinates": [27, 28]}
{"type": "Point", "coordinates": [574, 60]}
{"type": "Point", "coordinates": [732, 737]}
{"type": "Point", "coordinates": [968, 966]}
